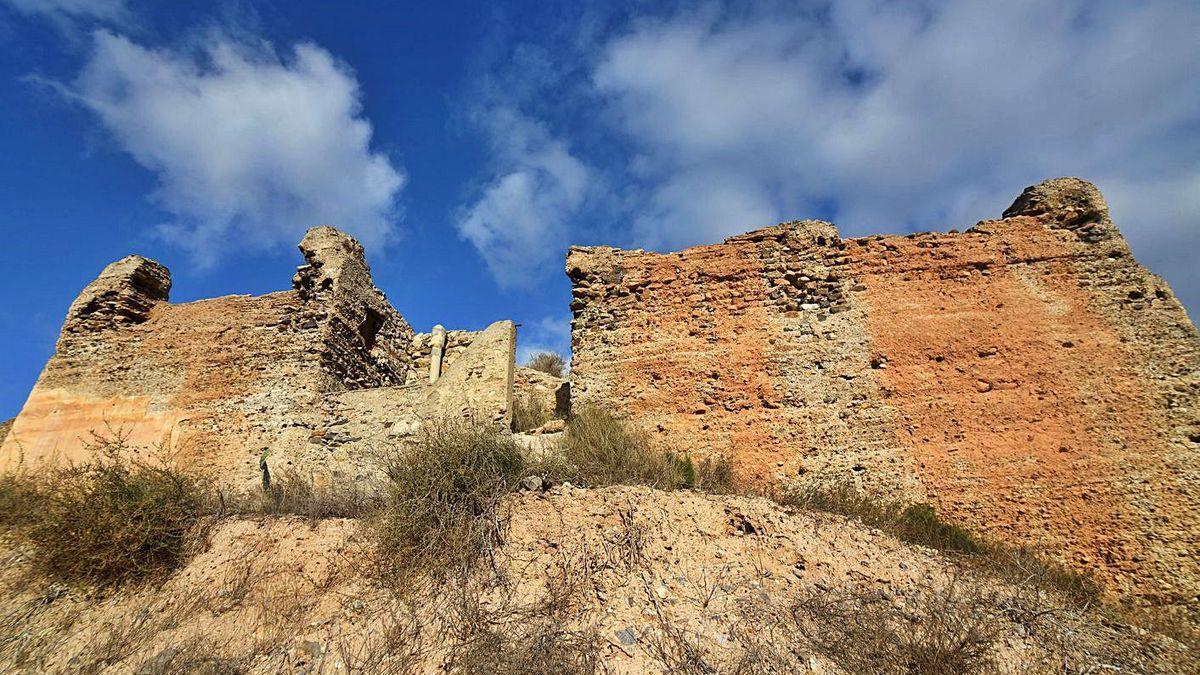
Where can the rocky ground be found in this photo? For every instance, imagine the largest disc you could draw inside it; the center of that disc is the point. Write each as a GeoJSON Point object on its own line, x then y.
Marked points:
{"type": "Point", "coordinates": [621, 580]}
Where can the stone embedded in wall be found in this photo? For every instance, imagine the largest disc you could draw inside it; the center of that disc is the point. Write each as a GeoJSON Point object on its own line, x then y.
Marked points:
{"type": "Point", "coordinates": [1027, 376]}
{"type": "Point", "coordinates": [420, 352]}
{"type": "Point", "coordinates": [437, 349]}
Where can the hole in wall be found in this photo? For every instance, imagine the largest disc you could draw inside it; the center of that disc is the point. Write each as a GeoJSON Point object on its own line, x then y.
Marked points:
{"type": "Point", "coordinates": [369, 328]}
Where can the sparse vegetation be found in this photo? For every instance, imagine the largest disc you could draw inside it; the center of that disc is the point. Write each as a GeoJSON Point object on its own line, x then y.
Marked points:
{"type": "Point", "coordinates": [529, 412]}
{"type": "Point", "coordinates": [551, 363]}
{"type": "Point", "coordinates": [440, 519]}
{"type": "Point", "coordinates": [107, 521]}
{"type": "Point", "coordinates": [519, 640]}
{"type": "Point", "coordinates": [441, 510]}
{"type": "Point", "coordinates": [948, 631]}
{"type": "Point", "coordinates": [600, 449]}
{"type": "Point", "coordinates": [293, 494]}
{"type": "Point", "coordinates": [920, 524]}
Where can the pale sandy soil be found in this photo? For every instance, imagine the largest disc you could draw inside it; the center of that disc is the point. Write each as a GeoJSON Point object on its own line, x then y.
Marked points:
{"type": "Point", "coordinates": [654, 581]}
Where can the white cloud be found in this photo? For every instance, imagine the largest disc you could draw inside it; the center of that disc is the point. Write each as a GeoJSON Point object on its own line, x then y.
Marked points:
{"type": "Point", "coordinates": [911, 116]}
{"type": "Point", "coordinates": [103, 10]}
{"type": "Point", "coordinates": [548, 334]}
{"type": "Point", "coordinates": [250, 149]}
{"type": "Point", "coordinates": [519, 221]}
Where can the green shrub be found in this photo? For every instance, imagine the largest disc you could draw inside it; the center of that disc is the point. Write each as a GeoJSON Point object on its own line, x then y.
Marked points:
{"type": "Point", "coordinates": [920, 524]}
{"type": "Point", "coordinates": [108, 521]}
{"type": "Point", "coordinates": [550, 363]}
{"type": "Point", "coordinates": [441, 510]}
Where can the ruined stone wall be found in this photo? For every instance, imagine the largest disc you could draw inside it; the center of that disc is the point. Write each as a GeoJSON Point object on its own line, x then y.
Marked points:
{"type": "Point", "coordinates": [1026, 377]}
{"type": "Point", "coordinates": [222, 384]}
{"type": "Point", "coordinates": [457, 342]}
{"type": "Point", "coordinates": [548, 392]}
{"type": "Point", "coordinates": [210, 382]}
{"type": "Point", "coordinates": [365, 341]}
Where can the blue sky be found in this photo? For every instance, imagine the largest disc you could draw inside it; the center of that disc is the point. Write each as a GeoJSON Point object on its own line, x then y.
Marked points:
{"type": "Point", "coordinates": [467, 144]}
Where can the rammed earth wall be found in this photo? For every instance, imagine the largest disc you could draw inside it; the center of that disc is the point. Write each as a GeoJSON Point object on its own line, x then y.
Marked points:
{"type": "Point", "coordinates": [1027, 377]}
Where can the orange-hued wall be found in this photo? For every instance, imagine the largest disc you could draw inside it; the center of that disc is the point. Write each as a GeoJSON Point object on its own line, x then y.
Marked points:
{"type": "Point", "coordinates": [1026, 377]}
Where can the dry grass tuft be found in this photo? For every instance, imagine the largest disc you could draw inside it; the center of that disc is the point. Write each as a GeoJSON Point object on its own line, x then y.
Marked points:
{"type": "Point", "coordinates": [920, 524]}
{"type": "Point", "coordinates": [529, 412]}
{"type": "Point", "coordinates": [294, 494]}
{"type": "Point", "coordinates": [600, 449]}
{"type": "Point", "coordinates": [550, 363]}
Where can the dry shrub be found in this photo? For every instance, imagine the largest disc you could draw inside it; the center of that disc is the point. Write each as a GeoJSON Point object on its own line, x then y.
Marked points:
{"type": "Point", "coordinates": [529, 412]}
{"type": "Point", "coordinates": [30, 630]}
{"type": "Point", "coordinates": [107, 521]}
{"type": "Point", "coordinates": [532, 642]}
{"type": "Point", "coordinates": [948, 631]}
{"type": "Point", "coordinates": [294, 494]}
{"type": "Point", "coordinates": [677, 649]}
{"type": "Point", "coordinates": [550, 363]}
{"type": "Point", "coordinates": [493, 630]}
{"type": "Point", "coordinates": [600, 449]}
{"type": "Point", "coordinates": [441, 509]}
{"type": "Point", "coordinates": [920, 524]}
{"type": "Point", "coordinates": [17, 499]}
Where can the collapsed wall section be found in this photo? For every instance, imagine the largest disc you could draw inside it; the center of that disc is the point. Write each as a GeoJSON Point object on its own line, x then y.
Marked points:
{"type": "Point", "coordinates": [1027, 377]}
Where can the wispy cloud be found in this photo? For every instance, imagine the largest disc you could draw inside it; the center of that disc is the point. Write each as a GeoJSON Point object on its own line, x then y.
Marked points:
{"type": "Point", "coordinates": [104, 10]}
{"type": "Point", "coordinates": [250, 148]}
{"type": "Point", "coordinates": [519, 220]}
{"type": "Point", "coordinates": [893, 116]}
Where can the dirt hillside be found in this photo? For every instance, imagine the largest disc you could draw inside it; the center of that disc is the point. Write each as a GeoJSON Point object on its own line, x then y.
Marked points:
{"type": "Point", "coordinates": [622, 580]}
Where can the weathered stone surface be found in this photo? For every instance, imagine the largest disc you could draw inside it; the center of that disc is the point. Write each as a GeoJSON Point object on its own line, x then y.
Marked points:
{"type": "Point", "coordinates": [122, 295]}
{"type": "Point", "coordinates": [1026, 377]}
{"type": "Point", "coordinates": [365, 339]}
{"type": "Point", "coordinates": [477, 385]}
{"type": "Point", "coordinates": [216, 382]}
{"type": "Point", "coordinates": [552, 393]}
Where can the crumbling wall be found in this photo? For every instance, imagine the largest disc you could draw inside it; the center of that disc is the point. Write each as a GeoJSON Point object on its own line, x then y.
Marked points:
{"type": "Point", "coordinates": [421, 348]}
{"type": "Point", "coordinates": [208, 382]}
{"type": "Point", "coordinates": [223, 384]}
{"type": "Point", "coordinates": [550, 393]}
{"type": "Point", "coordinates": [1026, 377]}
{"type": "Point", "coordinates": [365, 340]}
{"type": "Point", "coordinates": [478, 386]}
